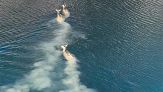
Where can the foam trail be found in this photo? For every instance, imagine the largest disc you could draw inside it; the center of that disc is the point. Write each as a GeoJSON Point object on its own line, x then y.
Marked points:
{"type": "Point", "coordinates": [72, 81]}
{"type": "Point", "coordinates": [40, 78]}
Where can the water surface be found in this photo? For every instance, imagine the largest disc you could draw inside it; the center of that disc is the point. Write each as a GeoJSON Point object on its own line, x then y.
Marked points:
{"type": "Point", "coordinates": [121, 50]}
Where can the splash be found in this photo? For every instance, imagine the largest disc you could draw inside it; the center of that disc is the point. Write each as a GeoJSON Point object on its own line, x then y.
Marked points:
{"type": "Point", "coordinates": [42, 77]}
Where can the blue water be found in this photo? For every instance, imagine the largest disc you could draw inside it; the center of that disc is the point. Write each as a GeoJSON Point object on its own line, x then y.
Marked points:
{"type": "Point", "coordinates": [121, 50]}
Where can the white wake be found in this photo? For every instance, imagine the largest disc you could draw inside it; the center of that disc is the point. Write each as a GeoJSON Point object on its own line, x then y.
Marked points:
{"type": "Point", "coordinates": [42, 77]}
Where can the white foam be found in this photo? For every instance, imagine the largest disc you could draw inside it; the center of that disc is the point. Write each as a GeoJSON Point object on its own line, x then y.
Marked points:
{"type": "Point", "coordinates": [72, 80]}
{"type": "Point", "coordinates": [40, 78]}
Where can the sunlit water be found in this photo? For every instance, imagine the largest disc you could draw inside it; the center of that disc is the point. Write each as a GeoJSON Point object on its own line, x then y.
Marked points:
{"type": "Point", "coordinates": [118, 43]}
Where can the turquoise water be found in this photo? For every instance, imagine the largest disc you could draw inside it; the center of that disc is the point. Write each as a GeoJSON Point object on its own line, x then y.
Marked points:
{"type": "Point", "coordinates": [120, 49]}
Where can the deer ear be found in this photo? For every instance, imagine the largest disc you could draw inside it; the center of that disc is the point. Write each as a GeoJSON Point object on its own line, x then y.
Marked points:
{"type": "Point", "coordinates": [64, 5]}
{"type": "Point", "coordinates": [58, 10]}
{"type": "Point", "coordinates": [66, 45]}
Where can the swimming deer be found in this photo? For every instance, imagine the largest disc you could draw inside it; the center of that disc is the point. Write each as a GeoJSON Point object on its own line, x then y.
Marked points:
{"type": "Point", "coordinates": [66, 13]}
{"type": "Point", "coordinates": [68, 56]}
{"type": "Point", "coordinates": [59, 18]}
